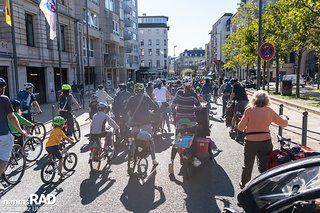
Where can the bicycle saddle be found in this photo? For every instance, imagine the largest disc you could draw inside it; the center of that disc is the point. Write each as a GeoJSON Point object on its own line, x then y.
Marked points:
{"type": "Point", "coordinates": [280, 138]}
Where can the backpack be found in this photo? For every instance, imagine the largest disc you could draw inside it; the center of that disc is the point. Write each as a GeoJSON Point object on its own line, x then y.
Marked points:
{"type": "Point", "coordinates": [93, 108]}
{"type": "Point", "coordinates": [23, 98]}
{"type": "Point", "coordinates": [65, 103]}
{"type": "Point", "coordinates": [228, 88]}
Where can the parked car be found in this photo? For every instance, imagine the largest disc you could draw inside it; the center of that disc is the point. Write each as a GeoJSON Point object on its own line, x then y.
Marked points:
{"type": "Point", "coordinates": [293, 78]}
{"type": "Point", "coordinates": [248, 84]}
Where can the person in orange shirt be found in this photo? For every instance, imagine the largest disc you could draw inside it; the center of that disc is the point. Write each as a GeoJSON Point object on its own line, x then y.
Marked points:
{"type": "Point", "coordinates": [52, 145]}
{"type": "Point", "coordinates": [256, 121]}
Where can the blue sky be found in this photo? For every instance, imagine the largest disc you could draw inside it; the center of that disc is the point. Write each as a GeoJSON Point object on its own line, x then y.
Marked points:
{"type": "Point", "coordinates": [190, 21]}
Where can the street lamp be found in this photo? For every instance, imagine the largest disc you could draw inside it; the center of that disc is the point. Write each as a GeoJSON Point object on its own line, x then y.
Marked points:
{"type": "Point", "coordinates": [174, 58]}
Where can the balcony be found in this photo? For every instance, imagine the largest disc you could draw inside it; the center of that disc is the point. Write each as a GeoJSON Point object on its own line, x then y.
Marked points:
{"type": "Point", "coordinates": [128, 22]}
{"type": "Point", "coordinates": [126, 8]}
{"type": "Point", "coordinates": [127, 35]}
{"type": "Point", "coordinates": [129, 48]}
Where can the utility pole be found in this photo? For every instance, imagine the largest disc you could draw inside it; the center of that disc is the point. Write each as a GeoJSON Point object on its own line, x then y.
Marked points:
{"type": "Point", "coordinates": [87, 43]}
{"type": "Point", "coordinates": [174, 59]}
{"type": "Point", "coordinates": [59, 43]}
{"type": "Point", "coordinates": [259, 44]}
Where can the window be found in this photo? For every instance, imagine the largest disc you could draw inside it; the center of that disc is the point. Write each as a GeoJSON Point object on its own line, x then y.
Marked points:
{"type": "Point", "coordinates": [150, 63]}
{"type": "Point", "coordinates": [115, 27]}
{"type": "Point", "coordinates": [141, 31]}
{"type": "Point", "coordinates": [142, 42]}
{"type": "Point", "coordinates": [142, 63]}
{"type": "Point", "coordinates": [109, 5]}
{"type": "Point", "coordinates": [157, 52]}
{"type": "Point", "coordinates": [134, 25]}
{"type": "Point", "coordinates": [96, 2]}
{"type": "Point", "coordinates": [165, 52]}
{"type": "Point", "coordinates": [121, 12]}
{"type": "Point", "coordinates": [134, 36]}
{"type": "Point", "coordinates": [134, 14]}
{"type": "Point", "coordinates": [29, 30]}
{"type": "Point", "coordinates": [157, 42]}
{"type": "Point", "coordinates": [106, 48]}
{"type": "Point", "coordinates": [63, 38]}
{"type": "Point", "coordinates": [158, 63]}
{"type": "Point", "coordinates": [142, 52]}
{"type": "Point", "coordinates": [91, 47]}
{"type": "Point", "coordinates": [149, 42]}
{"type": "Point", "coordinates": [165, 64]}
{"type": "Point", "coordinates": [165, 42]}
{"type": "Point", "coordinates": [150, 52]}
{"type": "Point", "coordinates": [84, 47]}
{"type": "Point", "coordinates": [92, 18]}
{"type": "Point", "coordinates": [133, 2]}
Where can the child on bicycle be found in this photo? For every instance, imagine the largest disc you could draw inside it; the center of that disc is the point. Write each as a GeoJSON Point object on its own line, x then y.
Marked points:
{"type": "Point", "coordinates": [22, 121]}
{"type": "Point", "coordinates": [52, 145]}
{"type": "Point", "coordinates": [98, 124]}
{"type": "Point", "coordinates": [93, 105]}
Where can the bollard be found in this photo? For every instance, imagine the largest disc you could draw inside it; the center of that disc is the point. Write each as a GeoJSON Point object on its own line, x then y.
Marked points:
{"type": "Point", "coordinates": [304, 128]}
{"type": "Point", "coordinates": [280, 113]}
{"type": "Point", "coordinates": [53, 113]}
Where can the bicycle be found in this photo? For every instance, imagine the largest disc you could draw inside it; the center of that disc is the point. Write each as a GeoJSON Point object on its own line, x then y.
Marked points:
{"type": "Point", "coordinates": [38, 129]}
{"type": "Point", "coordinates": [138, 151]}
{"type": "Point", "coordinates": [16, 166]}
{"type": "Point", "coordinates": [32, 147]}
{"type": "Point", "coordinates": [76, 127]}
{"type": "Point", "coordinates": [97, 152]}
{"type": "Point", "coordinates": [49, 170]}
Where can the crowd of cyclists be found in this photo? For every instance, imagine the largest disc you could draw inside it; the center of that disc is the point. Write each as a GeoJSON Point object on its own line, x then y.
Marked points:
{"type": "Point", "coordinates": [139, 107]}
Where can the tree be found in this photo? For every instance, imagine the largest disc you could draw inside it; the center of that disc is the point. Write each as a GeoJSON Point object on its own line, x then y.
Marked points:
{"type": "Point", "coordinates": [171, 72]}
{"type": "Point", "coordinates": [187, 71]}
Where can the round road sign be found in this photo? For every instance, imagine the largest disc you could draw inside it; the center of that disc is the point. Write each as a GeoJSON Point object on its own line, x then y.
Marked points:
{"type": "Point", "coordinates": [266, 51]}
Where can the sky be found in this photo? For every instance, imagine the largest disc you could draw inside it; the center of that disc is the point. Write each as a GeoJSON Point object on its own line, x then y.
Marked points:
{"type": "Point", "coordinates": [190, 21]}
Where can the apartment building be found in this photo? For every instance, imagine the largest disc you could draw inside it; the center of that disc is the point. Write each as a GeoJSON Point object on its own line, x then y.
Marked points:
{"type": "Point", "coordinates": [218, 34]}
{"type": "Point", "coordinates": [153, 35]}
{"type": "Point", "coordinates": [131, 40]}
{"type": "Point", "coordinates": [192, 59]}
{"type": "Point", "coordinates": [37, 55]}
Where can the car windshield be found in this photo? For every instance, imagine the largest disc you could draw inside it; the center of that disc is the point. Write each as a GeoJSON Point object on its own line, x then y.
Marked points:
{"type": "Point", "coordinates": [285, 185]}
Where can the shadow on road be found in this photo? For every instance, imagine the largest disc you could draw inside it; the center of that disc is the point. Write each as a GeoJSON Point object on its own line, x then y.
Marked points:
{"type": "Point", "coordinates": [140, 198]}
{"type": "Point", "coordinates": [208, 182]}
{"type": "Point", "coordinates": [95, 185]}
{"type": "Point", "coordinates": [163, 142]}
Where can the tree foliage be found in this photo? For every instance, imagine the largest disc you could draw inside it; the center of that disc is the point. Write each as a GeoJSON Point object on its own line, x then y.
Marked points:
{"type": "Point", "coordinates": [187, 71]}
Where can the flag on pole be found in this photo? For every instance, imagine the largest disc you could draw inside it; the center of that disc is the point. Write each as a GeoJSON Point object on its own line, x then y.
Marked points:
{"type": "Point", "coordinates": [8, 12]}
{"type": "Point", "coordinates": [48, 7]}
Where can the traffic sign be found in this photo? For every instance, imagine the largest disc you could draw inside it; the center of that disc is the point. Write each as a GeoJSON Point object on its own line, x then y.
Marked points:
{"type": "Point", "coordinates": [266, 51]}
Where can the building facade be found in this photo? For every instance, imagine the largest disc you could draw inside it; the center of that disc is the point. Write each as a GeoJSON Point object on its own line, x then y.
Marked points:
{"type": "Point", "coordinates": [218, 34]}
{"type": "Point", "coordinates": [38, 56]}
{"type": "Point", "coordinates": [193, 59]}
{"type": "Point", "coordinates": [153, 35]}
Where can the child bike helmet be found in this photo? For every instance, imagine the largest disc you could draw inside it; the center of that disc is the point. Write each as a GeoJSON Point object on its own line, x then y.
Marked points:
{"type": "Point", "coordinates": [58, 121]}
{"type": "Point", "coordinates": [15, 103]}
{"type": "Point", "coordinates": [139, 88]}
{"type": "Point", "coordinates": [2, 83]}
{"type": "Point", "coordinates": [66, 87]}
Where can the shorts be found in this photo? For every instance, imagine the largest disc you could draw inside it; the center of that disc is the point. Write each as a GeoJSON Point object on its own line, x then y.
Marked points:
{"type": "Point", "coordinates": [6, 144]}
{"type": "Point", "coordinates": [55, 151]}
{"type": "Point", "coordinates": [240, 106]}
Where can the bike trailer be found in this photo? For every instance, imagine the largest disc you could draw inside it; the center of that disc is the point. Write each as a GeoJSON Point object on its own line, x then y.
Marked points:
{"type": "Point", "coordinates": [202, 145]}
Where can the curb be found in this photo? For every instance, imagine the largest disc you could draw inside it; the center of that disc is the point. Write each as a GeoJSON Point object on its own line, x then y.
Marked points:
{"type": "Point", "coordinates": [289, 103]}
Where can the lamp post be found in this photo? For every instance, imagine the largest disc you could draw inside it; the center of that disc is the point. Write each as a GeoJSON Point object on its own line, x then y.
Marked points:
{"type": "Point", "coordinates": [259, 44]}
{"type": "Point", "coordinates": [174, 58]}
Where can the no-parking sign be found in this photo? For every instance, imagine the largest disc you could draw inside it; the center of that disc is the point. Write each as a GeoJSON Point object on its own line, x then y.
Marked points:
{"type": "Point", "coordinates": [266, 51]}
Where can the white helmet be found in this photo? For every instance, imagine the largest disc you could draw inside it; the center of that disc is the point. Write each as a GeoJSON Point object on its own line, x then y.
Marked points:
{"type": "Point", "coordinates": [102, 105]}
{"type": "Point", "coordinates": [28, 85]}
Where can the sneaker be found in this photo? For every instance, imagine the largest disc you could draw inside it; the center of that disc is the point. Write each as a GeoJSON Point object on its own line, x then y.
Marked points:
{"type": "Point", "coordinates": [241, 185]}
{"type": "Point", "coordinates": [196, 162]}
{"type": "Point", "coordinates": [155, 163]}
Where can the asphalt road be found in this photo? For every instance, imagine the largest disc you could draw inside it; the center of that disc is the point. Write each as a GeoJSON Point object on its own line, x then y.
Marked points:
{"type": "Point", "coordinates": [213, 185]}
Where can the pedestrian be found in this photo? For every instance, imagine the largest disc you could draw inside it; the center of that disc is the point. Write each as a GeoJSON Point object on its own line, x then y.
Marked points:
{"type": "Point", "coordinates": [256, 122]}
{"type": "Point", "coordinates": [6, 138]}
{"type": "Point", "coordinates": [149, 89]}
{"type": "Point", "coordinates": [103, 96]}
{"type": "Point", "coordinates": [206, 92]}
{"type": "Point", "coordinates": [81, 90]}
{"type": "Point", "coordinates": [28, 100]}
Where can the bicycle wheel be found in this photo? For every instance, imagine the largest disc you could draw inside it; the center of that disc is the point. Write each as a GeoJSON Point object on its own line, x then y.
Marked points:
{"type": "Point", "coordinates": [39, 130]}
{"type": "Point", "coordinates": [110, 151]}
{"type": "Point", "coordinates": [76, 130]}
{"type": "Point", "coordinates": [16, 166]}
{"type": "Point", "coordinates": [70, 161]}
{"type": "Point", "coordinates": [131, 161]}
{"type": "Point", "coordinates": [95, 164]}
{"type": "Point", "coordinates": [33, 148]}
{"type": "Point", "coordinates": [143, 166]}
{"type": "Point", "coordinates": [48, 172]}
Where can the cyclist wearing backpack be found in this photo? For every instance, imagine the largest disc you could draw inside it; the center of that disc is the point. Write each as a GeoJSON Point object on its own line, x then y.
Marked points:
{"type": "Point", "coordinates": [65, 101]}
{"type": "Point", "coordinates": [27, 100]}
{"type": "Point", "coordinates": [225, 90]}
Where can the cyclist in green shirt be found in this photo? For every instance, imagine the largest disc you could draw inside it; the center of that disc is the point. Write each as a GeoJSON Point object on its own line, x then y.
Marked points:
{"type": "Point", "coordinates": [22, 121]}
